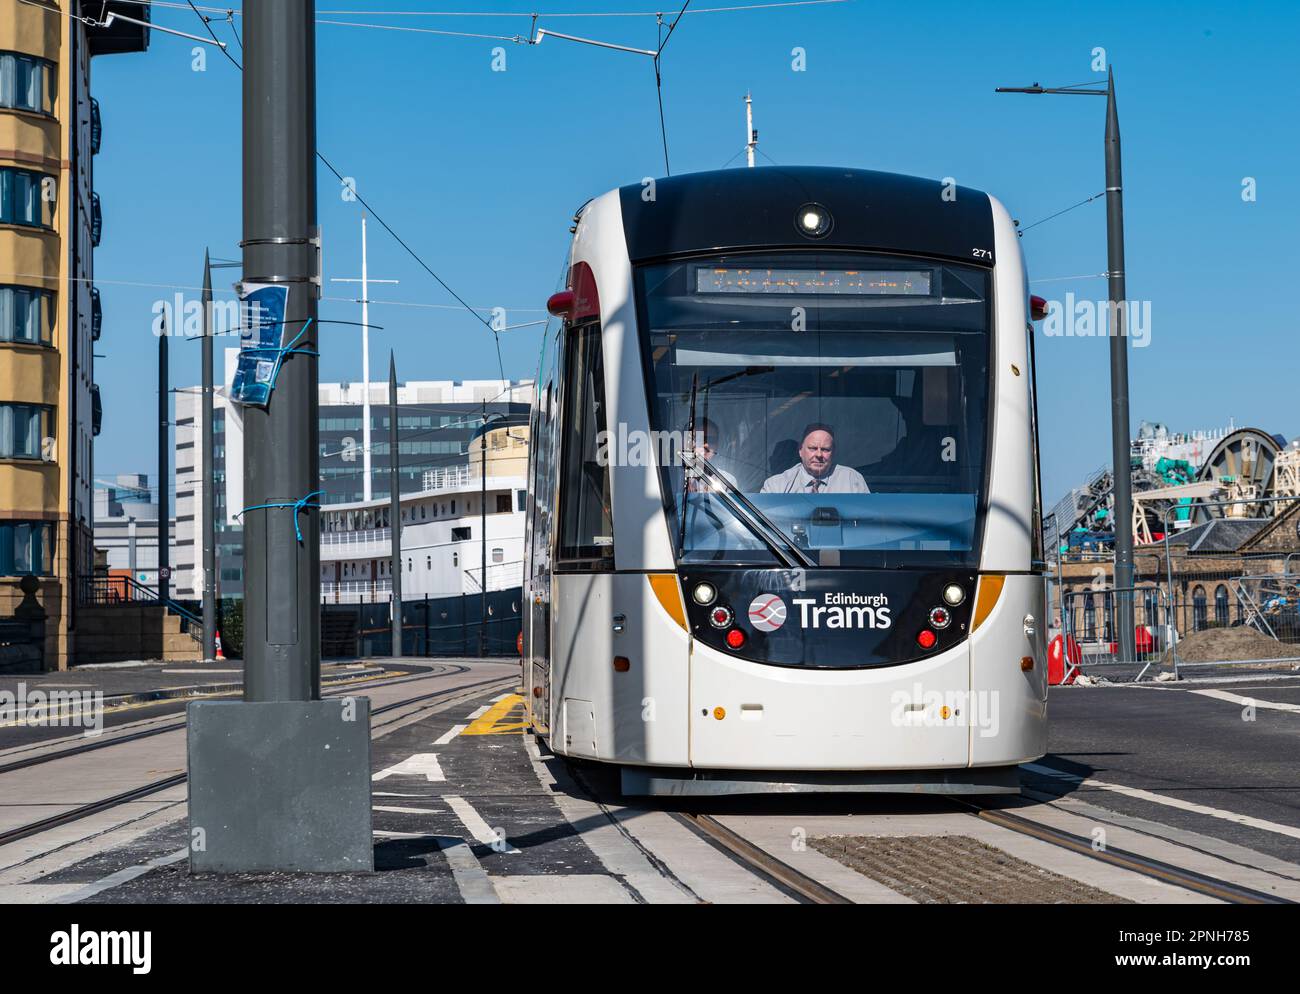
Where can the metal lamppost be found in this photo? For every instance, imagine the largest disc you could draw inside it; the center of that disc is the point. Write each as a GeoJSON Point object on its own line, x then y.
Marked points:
{"type": "Point", "coordinates": [395, 504]}
{"type": "Point", "coordinates": [1119, 415]}
{"type": "Point", "coordinates": [281, 779]}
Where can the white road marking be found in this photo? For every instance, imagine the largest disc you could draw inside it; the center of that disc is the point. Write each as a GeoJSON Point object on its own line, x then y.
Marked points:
{"type": "Point", "coordinates": [474, 822]}
{"type": "Point", "coordinates": [620, 857]}
{"type": "Point", "coordinates": [1170, 802]}
{"type": "Point", "coordinates": [474, 884]}
{"type": "Point", "coordinates": [421, 764]}
{"type": "Point", "coordinates": [450, 734]}
{"type": "Point", "coordinates": [502, 697]}
{"type": "Point", "coordinates": [472, 881]}
{"type": "Point", "coordinates": [401, 811]}
{"type": "Point", "coordinates": [120, 877]}
{"type": "Point", "coordinates": [479, 713]}
{"type": "Point", "coordinates": [1223, 695]}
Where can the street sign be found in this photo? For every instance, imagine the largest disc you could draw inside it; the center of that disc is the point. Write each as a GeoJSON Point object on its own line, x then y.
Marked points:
{"type": "Point", "coordinates": [164, 572]}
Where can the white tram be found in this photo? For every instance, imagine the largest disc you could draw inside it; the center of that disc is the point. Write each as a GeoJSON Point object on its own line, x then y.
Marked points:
{"type": "Point", "coordinates": [783, 529]}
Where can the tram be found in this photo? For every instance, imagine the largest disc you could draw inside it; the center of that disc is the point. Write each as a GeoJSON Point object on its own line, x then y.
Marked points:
{"type": "Point", "coordinates": [784, 521]}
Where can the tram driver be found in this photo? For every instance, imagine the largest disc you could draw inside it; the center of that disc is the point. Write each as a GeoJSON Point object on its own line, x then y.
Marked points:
{"type": "Point", "coordinates": [816, 471]}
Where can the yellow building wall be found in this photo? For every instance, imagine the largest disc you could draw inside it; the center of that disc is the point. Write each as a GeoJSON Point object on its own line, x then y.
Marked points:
{"type": "Point", "coordinates": [29, 374]}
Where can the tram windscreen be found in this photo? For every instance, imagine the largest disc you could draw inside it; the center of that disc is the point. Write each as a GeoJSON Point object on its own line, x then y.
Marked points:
{"type": "Point", "coordinates": [844, 399]}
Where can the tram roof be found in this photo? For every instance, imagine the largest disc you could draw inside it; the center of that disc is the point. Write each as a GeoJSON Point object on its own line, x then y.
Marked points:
{"type": "Point", "coordinates": [735, 209]}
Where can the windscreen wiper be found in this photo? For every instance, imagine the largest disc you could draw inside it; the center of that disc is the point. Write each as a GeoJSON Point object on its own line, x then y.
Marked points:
{"type": "Point", "coordinates": [791, 556]}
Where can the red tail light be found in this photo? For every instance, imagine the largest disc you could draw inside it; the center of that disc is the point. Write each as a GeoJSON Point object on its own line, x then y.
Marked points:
{"type": "Point", "coordinates": [925, 639]}
{"type": "Point", "coordinates": [561, 304]}
{"type": "Point", "coordinates": [1037, 308]}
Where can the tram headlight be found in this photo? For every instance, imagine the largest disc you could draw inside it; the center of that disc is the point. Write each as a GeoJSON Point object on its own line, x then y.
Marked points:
{"type": "Point", "coordinates": [813, 221]}
{"type": "Point", "coordinates": [704, 593]}
{"type": "Point", "coordinates": [953, 594]}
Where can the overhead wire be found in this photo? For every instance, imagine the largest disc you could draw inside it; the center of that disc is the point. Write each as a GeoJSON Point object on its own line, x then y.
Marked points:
{"type": "Point", "coordinates": [385, 225]}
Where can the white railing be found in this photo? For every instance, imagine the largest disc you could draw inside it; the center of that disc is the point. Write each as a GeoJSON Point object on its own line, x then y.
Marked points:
{"type": "Point", "coordinates": [355, 591]}
{"type": "Point", "coordinates": [384, 535]}
{"type": "Point", "coordinates": [499, 577]}
{"type": "Point", "coordinates": [445, 478]}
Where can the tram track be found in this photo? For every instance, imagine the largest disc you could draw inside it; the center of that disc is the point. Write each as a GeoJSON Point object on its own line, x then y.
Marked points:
{"type": "Point", "coordinates": [104, 743]}
{"type": "Point", "coordinates": [1144, 866]}
{"type": "Point", "coordinates": [426, 701]}
{"type": "Point", "coordinates": [760, 862]}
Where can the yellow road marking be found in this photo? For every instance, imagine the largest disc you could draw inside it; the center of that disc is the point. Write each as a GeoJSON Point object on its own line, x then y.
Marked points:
{"type": "Point", "coordinates": [494, 720]}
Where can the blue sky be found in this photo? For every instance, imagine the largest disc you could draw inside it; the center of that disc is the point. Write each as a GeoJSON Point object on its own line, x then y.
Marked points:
{"type": "Point", "coordinates": [480, 172]}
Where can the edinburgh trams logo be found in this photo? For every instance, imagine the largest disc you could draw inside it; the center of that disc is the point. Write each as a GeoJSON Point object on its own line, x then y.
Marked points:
{"type": "Point", "coordinates": [844, 610]}
{"type": "Point", "coordinates": [767, 612]}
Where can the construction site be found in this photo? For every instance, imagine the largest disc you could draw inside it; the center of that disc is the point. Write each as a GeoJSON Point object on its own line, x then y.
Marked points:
{"type": "Point", "coordinates": [1216, 530]}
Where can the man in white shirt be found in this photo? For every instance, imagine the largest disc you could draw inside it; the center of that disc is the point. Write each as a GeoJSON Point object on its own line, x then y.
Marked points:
{"type": "Point", "coordinates": [816, 472]}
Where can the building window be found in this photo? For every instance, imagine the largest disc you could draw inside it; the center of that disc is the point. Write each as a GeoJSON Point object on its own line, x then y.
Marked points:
{"type": "Point", "coordinates": [1199, 615]}
{"type": "Point", "coordinates": [26, 83]}
{"type": "Point", "coordinates": [26, 315]}
{"type": "Point", "coordinates": [460, 534]}
{"type": "Point", "coordinates": [26, 547]}
{"type": "Point", "coordinates": [1089, 619]}
{"type": "Point", "coordinates": [20, 198]}
{"type": "Point", "coordinates": [22, 427]}
{"type": "Point", "coordinates": [498, 555]}
{"type": "Point", "coordinates": [503, 503]}
{"type": "Point", "coordinates": [455, 558]}
{"type": "Point", "coordinates": [1221, 606]}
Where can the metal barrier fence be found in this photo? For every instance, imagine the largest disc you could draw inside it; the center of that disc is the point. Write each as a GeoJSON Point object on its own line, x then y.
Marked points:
{"type": "Point", "coordinates": [1246, 616]}
{"type": "Point", "coordinates": [462, 625]}
{"type": "Point", "coordinates": [1088, 619]}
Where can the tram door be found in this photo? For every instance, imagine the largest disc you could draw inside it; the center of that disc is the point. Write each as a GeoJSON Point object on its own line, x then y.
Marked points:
{"type": "Point", "coordinates": [537, 637]}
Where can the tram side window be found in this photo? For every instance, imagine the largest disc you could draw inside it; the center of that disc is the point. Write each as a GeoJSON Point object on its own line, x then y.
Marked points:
{"type": "Point", "coordinates": [586, 529]}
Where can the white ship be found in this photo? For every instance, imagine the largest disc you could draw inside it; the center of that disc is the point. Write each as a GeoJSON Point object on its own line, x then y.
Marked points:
{"type": "Point", "coordinates": [448, 529]}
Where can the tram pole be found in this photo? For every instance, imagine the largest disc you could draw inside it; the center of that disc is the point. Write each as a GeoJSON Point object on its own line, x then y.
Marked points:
{"type": "Point", "coordinates": [482, 594]}
{"type": "Point", "coordinates": [1122, 471]}
{"type": "Point", "coordinates": [208, 505]}
{"type": "Point", "coordinates": [395, 504]}
{"type": "Point", "coordinates": [1119, 415]}
{"type": "Point", "coordinates": [280, 781]}
{"type": "Point", "coordinates": [164, 469]}
{"type": "Point", "coordinates": [282, 575]}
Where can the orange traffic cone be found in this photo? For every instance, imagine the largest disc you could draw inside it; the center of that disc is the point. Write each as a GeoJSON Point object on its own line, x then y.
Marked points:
{"type": "Point", "coordinates": [217, 641]}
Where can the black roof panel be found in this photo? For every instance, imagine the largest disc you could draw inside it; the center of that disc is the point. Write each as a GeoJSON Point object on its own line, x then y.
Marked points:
{"type": "Point", "coordinates": [733, 209]}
